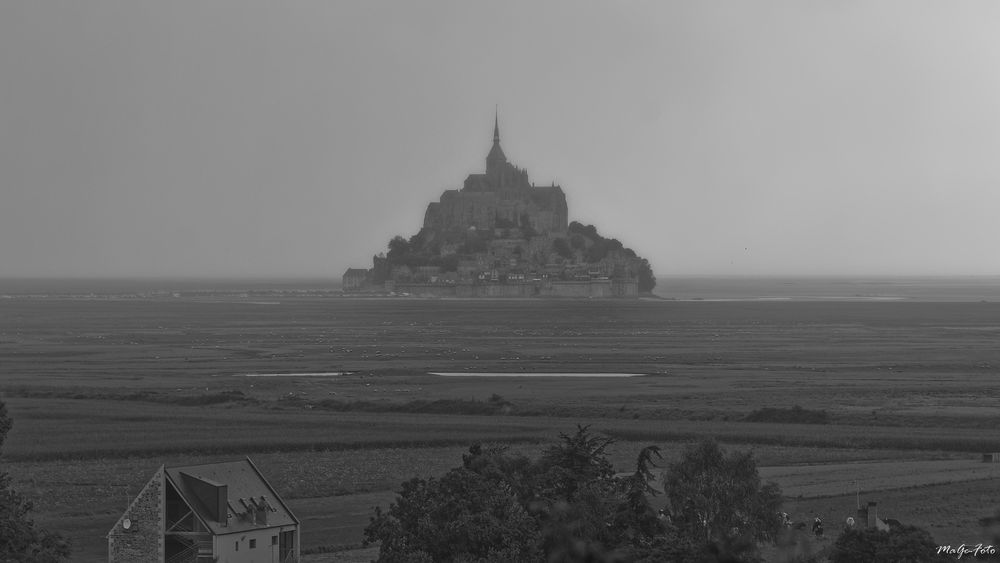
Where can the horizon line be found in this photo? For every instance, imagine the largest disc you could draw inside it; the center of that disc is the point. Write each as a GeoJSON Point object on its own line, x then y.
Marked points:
{"type": "Point", "coordinates": [320, 277]}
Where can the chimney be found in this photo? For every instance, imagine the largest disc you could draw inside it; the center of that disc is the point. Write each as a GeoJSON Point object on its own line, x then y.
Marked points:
{"type": "Point", "coordinates": [872, 514]}
{"type": "Point", "coordinates": [213, 496]}
{"type": "Point", "coordinates": [221, 508]}
{"type": "Point", "coordinates": [262, 511]}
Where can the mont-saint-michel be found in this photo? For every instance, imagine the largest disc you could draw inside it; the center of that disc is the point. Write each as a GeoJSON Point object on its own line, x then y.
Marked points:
{"type": "Point", "coordinates": [501, 235]}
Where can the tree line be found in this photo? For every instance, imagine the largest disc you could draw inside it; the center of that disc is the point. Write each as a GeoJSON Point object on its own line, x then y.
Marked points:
{"type": "Point", "coordinates": [569, 505]}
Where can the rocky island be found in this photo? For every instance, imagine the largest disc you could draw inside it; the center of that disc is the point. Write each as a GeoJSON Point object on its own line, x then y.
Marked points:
{"type": "Point", "coordinates": [502, 236]}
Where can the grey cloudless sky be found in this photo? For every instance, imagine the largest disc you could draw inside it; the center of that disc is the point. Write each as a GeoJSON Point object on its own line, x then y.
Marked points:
{"type": "Point", "coordinates": [259, 138]}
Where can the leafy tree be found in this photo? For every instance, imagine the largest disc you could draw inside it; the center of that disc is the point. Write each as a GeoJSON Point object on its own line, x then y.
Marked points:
{"type": "Point", "coordinates": [425, 242]}
{"type": "Point", "coordinates": [462, 516]}
{"type": "Point", "coordinates": [567, 505]}
{"type": "Point", "coordinates": [447, 263]}
{"type": "Point", "coordinates": [908, 544]}
{"type": "Point", "coordinates": [562, 248]}
{"type": "Point", "coordinates": [574, 460]}
{"type": "Point", "coordinates": [399, 247]}
{"type": "Point", "coordinates": [588, 231]}
{"type": "Point", "coordinates": [597, 251]}
{"type": "Point", "coordinates": [647, 281]}
{"type": "Point", "coordinates": [600, 247]}
{"type": "Point", "coordinates": [503, 507]}
{"type": "Point", "coordinates": [637, 490]}
{"type": "Point", "coordinates": [20, 540]}
{"type": "Point", "coordinates": [417, 241]}
{"type": "Point", "coordinates": [718, 499]}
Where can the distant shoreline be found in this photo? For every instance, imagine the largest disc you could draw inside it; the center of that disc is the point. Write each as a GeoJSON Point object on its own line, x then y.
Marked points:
{"type": "Point", "coordinates": [976, 288]}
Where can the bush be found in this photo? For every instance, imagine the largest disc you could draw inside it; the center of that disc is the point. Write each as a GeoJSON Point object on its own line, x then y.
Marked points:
{"type": "Point", "coordinates": [439, 406]}
{"type": "Point", "coordinates": [908, 544]}
{"type": "Point", "coordinates": [562, 248]}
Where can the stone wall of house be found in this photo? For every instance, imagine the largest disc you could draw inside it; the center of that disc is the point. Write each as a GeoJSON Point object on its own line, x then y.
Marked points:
{"type": "Point", "coordinates": [142, 542]}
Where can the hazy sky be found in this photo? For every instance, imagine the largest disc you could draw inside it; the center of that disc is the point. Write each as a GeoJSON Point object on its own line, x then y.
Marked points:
{"type": "Point", "coordinates": [296, 138]}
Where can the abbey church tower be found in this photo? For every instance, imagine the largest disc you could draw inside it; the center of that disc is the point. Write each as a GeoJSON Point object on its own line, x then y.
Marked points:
{"type": "Point", "coordinates": [502, 196]}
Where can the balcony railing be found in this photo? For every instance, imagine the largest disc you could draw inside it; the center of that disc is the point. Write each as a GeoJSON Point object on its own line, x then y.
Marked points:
{"type": "Point", "coordinates": [188, 555]}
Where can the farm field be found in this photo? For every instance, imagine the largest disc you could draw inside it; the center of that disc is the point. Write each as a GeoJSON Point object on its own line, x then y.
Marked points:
{"type": "Point", "coordinates": [104, 390]}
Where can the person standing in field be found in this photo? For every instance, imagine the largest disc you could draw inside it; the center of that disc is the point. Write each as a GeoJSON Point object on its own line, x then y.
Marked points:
{"type": "Point", "coordinates": [817, 527]}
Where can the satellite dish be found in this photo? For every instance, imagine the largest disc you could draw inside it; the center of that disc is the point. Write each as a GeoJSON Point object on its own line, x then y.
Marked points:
{"type": "Point", "coordinates": [850, 521]}
{"type": "Point", "coordinates": [126, 523]}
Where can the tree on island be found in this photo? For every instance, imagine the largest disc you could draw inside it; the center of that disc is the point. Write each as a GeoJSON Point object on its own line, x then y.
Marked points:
{"type": "Point", "coordinates": [647, 281]}
{"type": "Point", "coordinates": [595, 248]}
{"type": "Point", "coordinates": [582, 245]}
{"type": "Point", "coordinates": [567, 505]}
{"type": "Point", "coordinates": [20, 540]}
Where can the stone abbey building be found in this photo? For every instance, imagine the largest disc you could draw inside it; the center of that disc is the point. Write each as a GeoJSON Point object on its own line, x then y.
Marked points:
{"type": "Point", "coordinates": [502, 236]}
{"type": "Point", "coordinates": [502, 197]}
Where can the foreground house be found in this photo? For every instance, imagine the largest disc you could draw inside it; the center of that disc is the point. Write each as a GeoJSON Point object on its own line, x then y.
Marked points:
{"type": "Point", "coordinates": [214, 512]}
{"type": "Point", "coordinates": [868, 518]}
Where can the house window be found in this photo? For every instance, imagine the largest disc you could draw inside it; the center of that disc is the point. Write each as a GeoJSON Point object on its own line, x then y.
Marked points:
{"type": "Point", "coordinates": [253, 544]}
{"type": "Point", "coordinates": [237, 548]}
{"type": "Point", "coordinates": [274, 540]}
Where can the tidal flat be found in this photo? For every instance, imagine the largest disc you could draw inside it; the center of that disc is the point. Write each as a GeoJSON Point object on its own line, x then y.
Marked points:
{"type": "Point", "coordinates": [104, 391]}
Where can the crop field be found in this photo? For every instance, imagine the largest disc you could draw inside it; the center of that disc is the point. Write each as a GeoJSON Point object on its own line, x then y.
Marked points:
{"type": "Point", "coordinates": [104, 390]}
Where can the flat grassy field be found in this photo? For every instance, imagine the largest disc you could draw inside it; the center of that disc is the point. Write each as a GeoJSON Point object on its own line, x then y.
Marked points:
{"type": "Point", "coordinates": [104, 390]}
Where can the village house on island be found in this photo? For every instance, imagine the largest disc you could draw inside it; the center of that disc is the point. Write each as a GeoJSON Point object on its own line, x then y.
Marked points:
{"type": "Point", "coordinates": [214, 512]}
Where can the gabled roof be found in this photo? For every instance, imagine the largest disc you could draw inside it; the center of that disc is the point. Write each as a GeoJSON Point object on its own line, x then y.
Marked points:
{"type": "Point", "coordinates": [244, 488]}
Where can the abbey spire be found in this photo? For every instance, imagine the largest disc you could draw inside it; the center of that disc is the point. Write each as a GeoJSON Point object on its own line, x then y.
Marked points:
{"type": "Point", "coordinates": [496, 159]}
